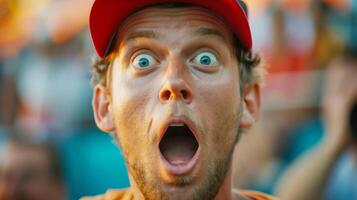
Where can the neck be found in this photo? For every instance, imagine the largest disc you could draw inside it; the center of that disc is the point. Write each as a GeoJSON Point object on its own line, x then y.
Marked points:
{"type": "Point", "coordinates": [135, 189]}
{"type": "Point", "coordinates": [225, 192]}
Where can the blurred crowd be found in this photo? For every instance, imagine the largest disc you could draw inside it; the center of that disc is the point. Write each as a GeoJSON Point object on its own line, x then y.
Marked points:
{"type": "Point", "coordinates": [51, 149]}
{"type": "Point", "coordinates": [45, 100]}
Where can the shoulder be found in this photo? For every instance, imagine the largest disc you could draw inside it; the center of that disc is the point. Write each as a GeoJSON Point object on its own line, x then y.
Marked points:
{"type": "Point", "coordinates": [112, 195]}
{"type": "Point", "coordinates": [256, 195]}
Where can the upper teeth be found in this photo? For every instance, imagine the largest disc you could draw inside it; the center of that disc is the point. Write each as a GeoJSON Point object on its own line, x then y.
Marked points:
{"type": "Point", "coordinates": [177, 124]}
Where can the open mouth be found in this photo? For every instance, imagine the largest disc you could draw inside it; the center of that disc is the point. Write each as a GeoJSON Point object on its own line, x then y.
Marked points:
{"type": "Point", "coordinates": [178, 145]}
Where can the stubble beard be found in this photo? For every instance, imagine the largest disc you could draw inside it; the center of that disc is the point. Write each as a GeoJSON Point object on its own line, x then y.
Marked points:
{"type": "Point", "coordinates": [208, 189]}
{"type": "Point", "coordinates": [151, 189]}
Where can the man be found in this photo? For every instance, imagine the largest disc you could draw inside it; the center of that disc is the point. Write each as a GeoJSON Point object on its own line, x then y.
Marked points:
{"type": "Point", "coordinates": [176, 85]}
{"type": "Point", "coordinates": [30, 171]}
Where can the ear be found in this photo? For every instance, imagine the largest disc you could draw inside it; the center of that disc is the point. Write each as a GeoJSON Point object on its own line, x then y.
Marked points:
{"type": "Point", "coordinates": [251, 105]}
{"type": "Point", "coordinates": [101, 104]}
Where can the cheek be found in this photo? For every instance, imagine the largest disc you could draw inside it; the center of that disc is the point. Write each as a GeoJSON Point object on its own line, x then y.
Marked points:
{"type": "Point", "coordinates": [219, 110]}
{"type": "Point", "coordinates": [219, 97]}
{"type": "Point", "coordinates": [129, 104]}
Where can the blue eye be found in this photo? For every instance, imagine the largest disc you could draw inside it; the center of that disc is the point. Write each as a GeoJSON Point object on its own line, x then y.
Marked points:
{"type": "Point", "coordinates": [206, 59]}
{"type": "Point", "coordinates": [143, 61]}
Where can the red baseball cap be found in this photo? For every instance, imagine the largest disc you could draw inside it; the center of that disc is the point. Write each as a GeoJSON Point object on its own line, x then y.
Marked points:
{"type": "Point", "coordinates": [107, 15]}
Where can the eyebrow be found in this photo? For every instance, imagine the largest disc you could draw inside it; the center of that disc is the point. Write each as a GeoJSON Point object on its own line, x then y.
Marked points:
{"type": "Point", "coordinates": [142, 34]}
{"type": "Point", "coordinates": [208, 32]}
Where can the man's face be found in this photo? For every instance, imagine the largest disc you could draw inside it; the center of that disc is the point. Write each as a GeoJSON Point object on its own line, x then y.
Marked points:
{"type": "Point", "coordinates": [175, 101]}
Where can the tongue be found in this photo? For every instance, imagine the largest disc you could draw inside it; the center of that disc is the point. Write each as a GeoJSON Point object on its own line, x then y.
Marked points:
{"type": "Point", "coordinates": [178, 148]}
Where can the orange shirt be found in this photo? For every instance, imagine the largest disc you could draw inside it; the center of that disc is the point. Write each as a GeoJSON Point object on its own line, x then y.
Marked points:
{"type": "Point", "coordinates": [127, 195]}
{"type": "Point", "coordinates": [257, 195]}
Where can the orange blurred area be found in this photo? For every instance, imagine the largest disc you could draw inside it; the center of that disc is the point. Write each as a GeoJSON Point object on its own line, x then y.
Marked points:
{"type": "Point", "coordinates": [19, 20]}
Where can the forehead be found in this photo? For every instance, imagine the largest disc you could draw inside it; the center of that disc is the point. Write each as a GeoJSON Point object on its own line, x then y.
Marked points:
{"type": "Point", "coordinates": [183, 19]}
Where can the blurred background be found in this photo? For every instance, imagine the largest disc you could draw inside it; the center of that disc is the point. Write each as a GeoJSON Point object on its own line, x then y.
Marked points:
{"type": "Point", "coordinates": [48, 139]}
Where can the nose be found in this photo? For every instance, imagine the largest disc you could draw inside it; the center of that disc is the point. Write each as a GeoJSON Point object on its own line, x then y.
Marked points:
{"type": "Point", "coordinates": [175, 87]}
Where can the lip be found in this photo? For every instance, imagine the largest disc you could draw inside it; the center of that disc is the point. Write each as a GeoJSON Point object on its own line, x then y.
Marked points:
{"type": "Point", "coordinates": [182, 168]}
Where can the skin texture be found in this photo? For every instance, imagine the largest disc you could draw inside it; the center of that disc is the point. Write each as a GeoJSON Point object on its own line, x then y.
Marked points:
{"type": "Point", "coordinates": [137, 103]}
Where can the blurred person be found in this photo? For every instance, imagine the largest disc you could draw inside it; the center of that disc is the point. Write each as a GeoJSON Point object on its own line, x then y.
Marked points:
{"type": "Point", "coordinates": [287, 51]}
{"type": "Point", "coordinates": [329, 170]}
{"type": "Point", "coordinates": [56, 50]}
{"type": "Point", "coordinates": [175, 85]}
{"type": "Point", "coordinates": [30, 171]}
{"type": "Point", "coordinates": [293, 125]}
